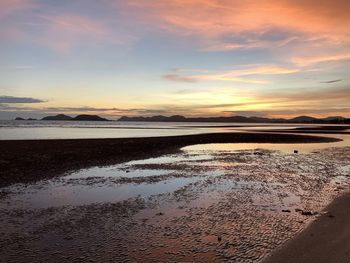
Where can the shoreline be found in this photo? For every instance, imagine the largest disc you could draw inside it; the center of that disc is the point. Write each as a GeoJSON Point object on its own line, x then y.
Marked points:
{"type": "Point", "coordinates": [326, 239]}
{"type": "Point", "coordinates": [25, 161]}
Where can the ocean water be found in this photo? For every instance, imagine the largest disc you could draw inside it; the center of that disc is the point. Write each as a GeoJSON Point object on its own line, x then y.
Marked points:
{"type": "Point", "coordinates": [31, 130]}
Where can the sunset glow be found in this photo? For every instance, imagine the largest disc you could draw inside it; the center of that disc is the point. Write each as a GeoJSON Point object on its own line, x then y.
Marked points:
{"type": "Point", "coordinates": [274, 58]}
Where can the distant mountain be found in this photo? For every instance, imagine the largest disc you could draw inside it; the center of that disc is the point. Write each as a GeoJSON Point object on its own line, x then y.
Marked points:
{"type": "Point", "coordinates": [179, 118]}
{"type": "Point", "coordinates": [158, 118]}
{"type": "Point", "coordinates": [242, 119]}
{"type": "Point", "coordinates": [334, 118]}
{"type": "Point", "coordinates": [59, 117]}
{"type": "Point", "coordinates": [83, 117]}
{"type": "Point", "coordinates": [304, 119]}
{"type": "Point", "coordinates": [22, 119]}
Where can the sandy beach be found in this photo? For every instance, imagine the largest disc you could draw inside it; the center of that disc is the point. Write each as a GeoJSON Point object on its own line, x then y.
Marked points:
{"type": "Point", "coordinates": [327, 239]}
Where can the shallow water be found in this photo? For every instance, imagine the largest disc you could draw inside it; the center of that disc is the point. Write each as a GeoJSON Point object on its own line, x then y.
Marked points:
{"type": "Point", "coordinates": [32, 130]}
{"type": "Point", "coordinates": [283, 147]}
{"type": "Point", "coordinates": [58, 194]}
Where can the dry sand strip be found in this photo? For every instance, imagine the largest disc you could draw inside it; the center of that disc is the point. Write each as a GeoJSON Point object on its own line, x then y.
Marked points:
{"type": "Point", "coordinates": [23, 161]}
{"type": "Point", "coordinates": [326, 240]}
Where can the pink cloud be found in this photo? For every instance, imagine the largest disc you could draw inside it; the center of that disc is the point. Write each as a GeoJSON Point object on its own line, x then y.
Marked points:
{"type": "Point", "coordinates": [8, 7]}
{"type": "Point", "coordinates": [215, 24]}
{"type": "Point", "coordinates": [64, 32]}
{"type": "Point", "coordinates": [29, 22]}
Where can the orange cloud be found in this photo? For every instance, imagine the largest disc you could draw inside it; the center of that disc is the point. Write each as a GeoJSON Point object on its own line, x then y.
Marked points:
{"type": "Point", "coordinates": [306, 61]}
{"type": "Point", "coordinates": [239, 75]}
{"type": "Point", "coordinates": [218, 22]}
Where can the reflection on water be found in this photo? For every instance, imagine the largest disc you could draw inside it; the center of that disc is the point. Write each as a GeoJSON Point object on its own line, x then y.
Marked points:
{"type": "Point", "coordinates": [283, 147]}
{"type": "Point", "coordinates": [32, 133]}
{"type": "Point", "coordinates": [61, 194]}
{"type": "Point", "coordinates": [112, 172]}
{"type": "Point", "coordinates": [20, 130]}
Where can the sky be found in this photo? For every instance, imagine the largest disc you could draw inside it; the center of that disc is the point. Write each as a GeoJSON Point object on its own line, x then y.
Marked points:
{"type": "Point", "coordinates": [271, 58]}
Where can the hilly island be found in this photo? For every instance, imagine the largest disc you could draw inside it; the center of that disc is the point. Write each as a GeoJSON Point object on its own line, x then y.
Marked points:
{"type": "Point", "coordinates": [180, 118]}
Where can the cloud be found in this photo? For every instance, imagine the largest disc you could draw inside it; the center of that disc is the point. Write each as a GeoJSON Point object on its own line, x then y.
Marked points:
{"type": "Point", "coordinates": [178, 78]}
{"type": "Point", "coordinates": [60, 30]}
{"type": "Point", "coordinates": [236, 75]}
{"type": "Point", "coordinates": [311, 111]}
{"type": "Point", "coordinates": [64, 32]}
{"type": "Point", "coordinates": [209, 25]}
{"type": "Point", "coordinates": [14, 6]}
{"type": "Point", "coordinates": [304, 95]}
{"type": "Point", "coordinates": [10, 100]}
{"type": "Point", "coordinates": [306, 61]}
{"type": "Point", "coordinates": [15, 67]}
{"type": "Point", "coordinates": [105, 111]}
{"type": "Point", "coordinates": [331, 81]}
{"type": "Point", "coordinates": [246, 113]}
{"type": "Point", "coordinates": [268, 23]}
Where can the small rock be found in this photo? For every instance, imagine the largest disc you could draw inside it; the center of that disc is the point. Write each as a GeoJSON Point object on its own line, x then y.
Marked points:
{"type": "Point", "coordinates": [286, 210]}
{"type": "Point", "coordinates": [308, 213]}
{"type": "Point", "coordinates": [296, 151]}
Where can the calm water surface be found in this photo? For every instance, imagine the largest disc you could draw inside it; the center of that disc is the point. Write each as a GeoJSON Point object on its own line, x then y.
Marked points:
{"type": "Point", "coordinates": [32, 130]}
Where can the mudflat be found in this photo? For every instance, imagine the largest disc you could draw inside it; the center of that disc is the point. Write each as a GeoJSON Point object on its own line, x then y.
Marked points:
{"type": "Point", "coordinates": [196, 205]}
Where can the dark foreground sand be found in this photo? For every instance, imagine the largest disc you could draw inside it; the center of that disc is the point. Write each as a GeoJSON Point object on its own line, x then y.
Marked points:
{"type": "Point", "coordinates": [31, 160]}
{"type": "Point", "coordinates": [327, 239]}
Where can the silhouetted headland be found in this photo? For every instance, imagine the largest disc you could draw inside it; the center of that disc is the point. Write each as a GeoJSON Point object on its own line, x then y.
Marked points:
{"type": "Point", "coordinates": [180, 118]}
{"type": "Point", "coordinates": [22, 119]}
{"type": "Point", "coordinates": [83, 117]}
{"type": "Point", "coordinates": [239, 119]}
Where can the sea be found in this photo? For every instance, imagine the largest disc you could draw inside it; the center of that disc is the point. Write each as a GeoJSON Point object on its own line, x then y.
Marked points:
{"type": "Point", "coordinates": [41, 130]}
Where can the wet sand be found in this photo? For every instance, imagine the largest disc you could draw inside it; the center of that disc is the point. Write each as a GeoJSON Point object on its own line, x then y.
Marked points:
{"type": "Point", "coordinates": [31, 160]}
{"type": "Point", "coordinates": [306, 131]}
{"type": "Point", "coordinates": [327, 239]}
